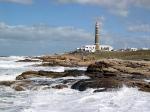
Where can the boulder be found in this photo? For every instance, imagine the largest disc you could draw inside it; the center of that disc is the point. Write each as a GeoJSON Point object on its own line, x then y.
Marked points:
{"type": "Point", "coordinates": [17, 85]}
{"type": "Point", "coordinates": [33, 74]}
{"type": "Point", "coordinates": [137, 70]}
{"type": "Point", "coordinates": [61, 86]}
{"type": "Point", "coordinates": [26, 75]}
{"type": "Point", "coordinates": [98, 66]}
{"type": "Point", "coordinates": [18, 88]}
{"type": "Point", "coordinates": [97, 83]}
{"type": "Point", "coordinates": [142, 85]}
{"type": "Point", "coordinates": [29, 60]}
{"type": "Point", "coordinates": [112, 74]}
{"type": "Point", "coordinates": [100, 90]}
{"type": "Point", "coordinates": [6, 83]}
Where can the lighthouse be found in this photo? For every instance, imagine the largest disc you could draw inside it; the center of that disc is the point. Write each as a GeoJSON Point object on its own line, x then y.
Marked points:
{"type": "Point", "coordinates": [97, 46]}
{"type": "Point", "coordinates": [97, 35]}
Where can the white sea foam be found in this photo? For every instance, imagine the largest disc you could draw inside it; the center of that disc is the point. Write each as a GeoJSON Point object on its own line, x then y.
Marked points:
{"type": "Point", "coordinates": [146, 80]}
{"type": "Point", "coordinates": [12, 58]}
{"type": "Point", "coordinates": [10, 68]}
{"type": "Point", "coordinates": [59, 68]}
{"type": "Point", "coordinates": [67, 100]}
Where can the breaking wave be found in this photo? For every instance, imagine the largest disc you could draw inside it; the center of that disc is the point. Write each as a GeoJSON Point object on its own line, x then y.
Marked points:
{"type": "Point", "coordinates": [68, 100]}
{"type": "Point", "coordinates": [10, 68]}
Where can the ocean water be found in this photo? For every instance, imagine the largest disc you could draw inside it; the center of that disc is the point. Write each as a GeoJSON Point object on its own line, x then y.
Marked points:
{"type": "Point", "coordinates": [9, 68]}
{"type": "Point", "coordinates": [65, 100]}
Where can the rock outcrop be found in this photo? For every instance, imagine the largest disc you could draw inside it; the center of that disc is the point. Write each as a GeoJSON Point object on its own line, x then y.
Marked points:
{"type": "Point", "coordinates": [110, 74]}
{"type": "Point", "coordinates": [104, 75]}
{"type": "Point", "coordinates": [29, 60]}
{"type": "Point", "coordinates": [32, 80]}
{"type": "Point", "coordinates": [49, 74]}
{"type": "Point", "coordinates": [106, 83]}
{"type": "Point", "coordinates": [66, 60]}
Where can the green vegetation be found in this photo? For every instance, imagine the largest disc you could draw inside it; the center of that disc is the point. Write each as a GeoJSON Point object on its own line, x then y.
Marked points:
{"type": "Point", "coordinates": [125, 55]}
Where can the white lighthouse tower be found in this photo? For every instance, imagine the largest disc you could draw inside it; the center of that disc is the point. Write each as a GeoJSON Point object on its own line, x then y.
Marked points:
{"type": "Point", "coordinates": [97, 36]}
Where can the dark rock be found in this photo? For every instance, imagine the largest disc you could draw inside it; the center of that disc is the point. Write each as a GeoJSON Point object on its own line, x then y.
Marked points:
{"type": "Point", "coordinates": [19, 88]}
{"type": "Point", "coordinates": [107, 74]}
{"type": "Point", "coordinates": [97, 83]}
{"type": "Point", "coordinates": [29, 60]}
{"type": "Point", "coordinates": [28, 74]}
{"type": "Point", "coordinates": [61, 86]}
{"type": "Point", "coordinates": [135, 65]}
{"type": "Point", "coordinates": [45, 88]}
{"type": "Point", "coordinates": [136, 75]}
{"type": "Point", "coordinates": [17, 85]}
{"type": "Point", "coordinates": [143, 86]}
{"type": "Point", "coordinates": [101, 75]}
{"type": "Point", "coordinates": [6, 83]}
{"type": "Point", "coordinates": [50, 74]}
{"type": "Point", "coordinates": [100, 70]}
{"type": "Point", "coordinates": [68, 81]}
{"type": "Point", "coordinates": [95, 75]}
{"type": "Point", "coordinates": [32, 74]}
{"type": "Point", "coordinates": [98, 67]}
{"type": "Point", "coordinates": [73, 73]}
{"type": "Point", "coordinates": [100, 90]}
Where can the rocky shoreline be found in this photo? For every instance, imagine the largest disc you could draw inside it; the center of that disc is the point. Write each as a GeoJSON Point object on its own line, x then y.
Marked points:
{"type": "Point", "coordinates": [104, 75]}
{"type": "Point", "coordinates": [66, 60]}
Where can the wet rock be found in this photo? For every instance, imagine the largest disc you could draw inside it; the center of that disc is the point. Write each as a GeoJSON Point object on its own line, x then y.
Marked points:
{"type": "Point", "coordinates": [49, 74]}
{"type": "Point", "coordinates": [19, 88]}
{"type": "Point", "coordinates": [96, 75]}
{"type": "Point", "coordinates": [29, 60]}
{"type": "Point", "coordinates": [68, 81]}
{"type": "Point", "coordinates": [97, 83]}
{"type": "Point", "coordinates": [112, 67]}
{"type": "Point", "coordinates": [136, 75]}
{"type": "Point", "coordinates": [135, 65]}
{"type": "Point", "coordinates": [17, 85]}
{"type": "Point", "coordinates": [143, 86]}
{"type": "Point", "coordinates": [98, 67]}
{"type": "Point", "coordinates": [73, 73]}
{"type": "Point", "coordinates": [6, 83]}
{"type": "Point", "coordinates": [109, 84]}
{"type": "Point", "coordinates": [61, 86]}
{"type": "Point", "coordinates": [44, 88]}
{"type": "Point", "coordinates": [100, 90]}
{"type": "Point", "coordinates": [107, 74]}
{"type": "Point", "coordinates": [26, 75]}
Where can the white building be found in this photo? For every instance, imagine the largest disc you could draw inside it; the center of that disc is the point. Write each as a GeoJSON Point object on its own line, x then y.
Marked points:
{"type": "Point", "coordinates": [92, 48]}
{"type": "Point", "coordinates": [145, 49]}
{"type": "Point", "coordinates": [106, 48]}
{"type": "Point", "coordinates": [87, 48]}
{"type": "Point", "coordinates": [133, 49]}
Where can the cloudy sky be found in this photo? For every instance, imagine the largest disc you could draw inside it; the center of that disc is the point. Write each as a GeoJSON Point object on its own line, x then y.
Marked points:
{"type": "Point", "coordinates": [36, 27]}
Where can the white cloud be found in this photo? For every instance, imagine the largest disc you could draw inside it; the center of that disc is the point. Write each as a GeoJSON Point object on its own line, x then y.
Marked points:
{"type": "Point", "coordinates": [41, 33]}
{"type": "Point", "coordinates": [120, 7]}
{"type": "Point", "coordinates": [44, 33]}
{"type": "Point", "coordinates": [18, 1]}
{"type": "Point", "coordinates": [40, 39]}
{"type": "Point", "coordinates": [139, 28]}
{"type": "Point", "coordinates": [125, 41]}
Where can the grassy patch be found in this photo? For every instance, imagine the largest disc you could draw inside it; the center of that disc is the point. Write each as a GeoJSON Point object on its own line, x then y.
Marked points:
{"type": "Point", "coordinates": [126, 55]}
